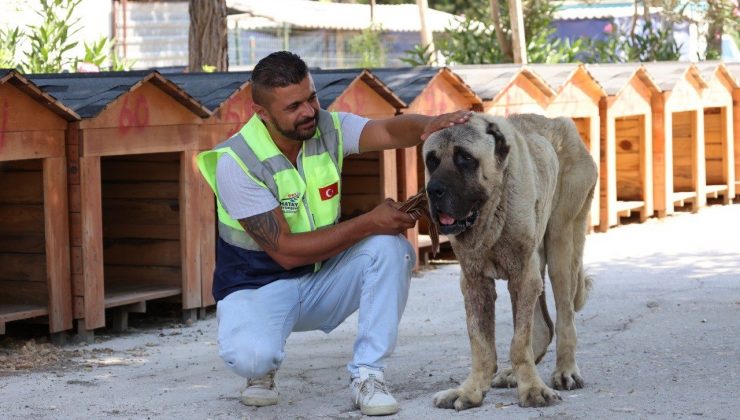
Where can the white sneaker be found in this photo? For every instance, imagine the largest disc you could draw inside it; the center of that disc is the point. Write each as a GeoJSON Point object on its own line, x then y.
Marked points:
{"type": "Point", "coordinates": [261, 392]}
{"type": "Point", "coordinates": [371, 393]}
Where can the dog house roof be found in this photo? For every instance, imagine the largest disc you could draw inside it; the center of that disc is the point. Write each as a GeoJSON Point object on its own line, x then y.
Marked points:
{"type": "Point", "coordinates": [330, 84]}
{"type": "Point", "coordinates": [409, 82]}
{"type": "Point", "coordinates": [89, 94]}
{"type": "Point", "coordinates": [25, 85]}
{"type": "Point", "coordinates": [614, 77]}
{"type": "Point", "coordinates": [212, 89]}
{"type": "Point", "coordinates": [488, 80]}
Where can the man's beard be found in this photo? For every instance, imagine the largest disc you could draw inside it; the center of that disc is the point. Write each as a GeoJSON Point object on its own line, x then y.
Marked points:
{"type": "Point", "coordinates": [298, 134]}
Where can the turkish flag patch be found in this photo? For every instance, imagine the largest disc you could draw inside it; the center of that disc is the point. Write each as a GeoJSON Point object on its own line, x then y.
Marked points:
{"type": "Point", "coordinates": [329, 192]}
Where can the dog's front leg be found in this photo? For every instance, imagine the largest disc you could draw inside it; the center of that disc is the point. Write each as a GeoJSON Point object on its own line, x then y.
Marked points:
{"type": "Point", "coordinates": [525, 291]}
{"type": "Point", "coordinates": [479, 294]}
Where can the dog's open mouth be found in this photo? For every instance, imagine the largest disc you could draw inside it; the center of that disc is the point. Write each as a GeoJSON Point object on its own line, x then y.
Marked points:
{"type": "Point", "coordinates": [448, 225]}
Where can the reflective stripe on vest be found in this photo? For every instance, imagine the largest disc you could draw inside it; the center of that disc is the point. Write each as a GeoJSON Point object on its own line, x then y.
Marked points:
{"type": "Point", "coordinates": [309, 196]}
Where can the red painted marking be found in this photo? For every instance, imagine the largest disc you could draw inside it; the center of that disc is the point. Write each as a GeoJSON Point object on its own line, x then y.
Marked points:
{"type": "Point", "coordinates": [133, 117]}
{"type": "Point", "coordinates": [142, 111]}
{"type": "Point", "coordinates": [3, 123]}
{"type": "Point", "coordinates": [237, 112]}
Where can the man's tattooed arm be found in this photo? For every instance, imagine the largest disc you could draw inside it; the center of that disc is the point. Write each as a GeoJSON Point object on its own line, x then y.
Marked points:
{"type": "Point", "coordinates": [263, 228]}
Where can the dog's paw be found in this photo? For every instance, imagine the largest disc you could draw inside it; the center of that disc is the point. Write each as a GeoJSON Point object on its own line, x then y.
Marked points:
{"type": "Point", "coordinates": [504, 378]}
{"type": "Point", "coordinates": [456, 398]}
{"type": "Point", "coordinates": [538, 396]}
{"type": "Point", "coordinates": [567, 379]}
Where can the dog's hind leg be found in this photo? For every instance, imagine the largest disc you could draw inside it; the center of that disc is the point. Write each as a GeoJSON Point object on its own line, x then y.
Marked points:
{"type": "Point", "coordinates": [479, 294]}
{"type": "Point", "coordinates": [525, 291]}
{"type": "Point", "coordinates": [565, 241]}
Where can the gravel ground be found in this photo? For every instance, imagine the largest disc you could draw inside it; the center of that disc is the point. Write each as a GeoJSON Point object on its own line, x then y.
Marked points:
{"type": "Point", "coordinates": [657, 339]}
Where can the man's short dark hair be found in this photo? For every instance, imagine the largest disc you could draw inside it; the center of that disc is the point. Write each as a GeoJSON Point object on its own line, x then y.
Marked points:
{"type": "Point", "coordinates": [279, 69]}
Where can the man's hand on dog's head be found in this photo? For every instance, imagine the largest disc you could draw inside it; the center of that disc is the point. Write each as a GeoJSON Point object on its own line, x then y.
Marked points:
{"type": "Point", "coordinates": [444, 121]}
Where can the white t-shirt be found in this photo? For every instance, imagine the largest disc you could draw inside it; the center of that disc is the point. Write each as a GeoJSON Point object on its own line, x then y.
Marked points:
{"type": "Point", "coordinates": [242, 197]}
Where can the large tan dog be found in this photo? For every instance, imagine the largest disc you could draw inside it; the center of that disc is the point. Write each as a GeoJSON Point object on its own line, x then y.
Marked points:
{"type": "Point", "coordinates": [513, 195]}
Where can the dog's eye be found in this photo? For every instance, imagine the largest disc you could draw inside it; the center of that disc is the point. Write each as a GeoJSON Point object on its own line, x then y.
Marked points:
{"type": "Point", "coordinates": [432, 161]}
{"type": "Point", "coordinates": [464, 159]}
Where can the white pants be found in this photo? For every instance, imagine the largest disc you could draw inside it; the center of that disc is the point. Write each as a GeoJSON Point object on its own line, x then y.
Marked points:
{"type": "Point", "coordinates": [373, 275]}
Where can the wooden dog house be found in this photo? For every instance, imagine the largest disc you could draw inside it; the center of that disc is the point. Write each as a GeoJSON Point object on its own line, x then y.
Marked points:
{"type": "Point", "coordinates": [678, 137]}
{"type": "Point", "coordinates": [626, 165]}
{"type": "Point", "coordinates": [577, 96]}
{"type": "Point", "coordinates": [228, 95]}
{"type": "Point", "coordinates": [507, 89]}
{"type": "Point", "coordinates": [134, 203]}
{"type": "Point", "coordinates": [718, 130]}
{"type": "Point", "coordinates": [734, 70]}
{"type": "Point", "coordinates": [34, 238]}
{"type": "Point", "coordinates": [428, 91]}
{"type": "Point", "coordinates": [367, 178]}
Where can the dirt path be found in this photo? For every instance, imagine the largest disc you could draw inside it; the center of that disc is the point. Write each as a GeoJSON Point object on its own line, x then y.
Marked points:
{"type": "Point", "coordinates": [658, 339]}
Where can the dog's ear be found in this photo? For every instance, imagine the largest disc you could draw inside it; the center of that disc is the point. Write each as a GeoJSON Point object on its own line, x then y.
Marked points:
{"type": "Point", "coordinates": [501, 146]}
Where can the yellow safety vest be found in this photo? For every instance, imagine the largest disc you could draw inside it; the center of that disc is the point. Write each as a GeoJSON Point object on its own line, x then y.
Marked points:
{"type": "Point", "coordinates": [309, 195]}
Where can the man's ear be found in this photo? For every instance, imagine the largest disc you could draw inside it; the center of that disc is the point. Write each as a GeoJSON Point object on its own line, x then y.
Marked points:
{"type": "Point", "coordinates": [261, 112]}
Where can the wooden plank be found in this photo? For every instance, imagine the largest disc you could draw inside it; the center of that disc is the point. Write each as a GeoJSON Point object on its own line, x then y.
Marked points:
{"type": "Point", "coordinates": [144, 107]}
{"type": "Point", "coordinates": [519, 96]}
{"type": "Point", "coordinates": [142, 212]}
{"type": "Point", "coordinates": [23, 267]}
{"type": "Point", "coordinates": [57, 244]}
{"type": "Point", "coordinates": [115, 170]}
{"type": "Point", "coordinates": [154, 139]}
{"type": "Point", "coordinates": [361, 184]}
{"type": "Point", "coordinates": [207, 242]}
{"type": "Point", "coordinates": [733, 124]}
{"type": "Point", "coordinates": [31, 165]}
{"type": "Point", "coordinates": [624, 206]}
{"type": "Point", "coordinates": [143, 189]}
{"type": "Point", "coordinates": [608, 216]}
{"type": "Point", "coordinates": [148, 157]}
{"type": "Point", "coordinates": [21, 112]}
{"type": "Point", "coordinates": [141, 252]}
{"type": "Point", "coordinates": [714, 191]}
{"type": "Point", "coordinates": [634, 99]}
{"type": "Point", "coordinates": [17, 311]}
{"type": "Point", "coordinates": [20, 145]}
{"type": "Point", "coordinates": [232, 114]}
{"type": "Point", "coordinates": [440, 96]}
{"type": "Point", "coordinates": [21, 187]}
{"type": "Point", "coordinates": [92, 242]}
{"type": "Point", "coordinates": [22, 218]}
{"type": "Point", "coordinates": [367, 167]}
{"type": "Point", "coordinates": [123, 294]}
{"type": "Point", "coordinates": [388, 177]}
{"type": "Point", "coordinates": [359, 98]}
{"type": "Point", "coordinates": [143, 275]}
{"type": "Point", "coordinates": [22, 243]}
{"type": "Point", "coordinates": [130, 230]}
{"type": "Point", "coordinates": [190, 229]}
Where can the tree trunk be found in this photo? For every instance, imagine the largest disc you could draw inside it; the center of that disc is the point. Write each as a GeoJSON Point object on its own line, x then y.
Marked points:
{"type": "Point", "coordinates": [503, 42]}
{"type": "Point", "coordinates": [207, 41]}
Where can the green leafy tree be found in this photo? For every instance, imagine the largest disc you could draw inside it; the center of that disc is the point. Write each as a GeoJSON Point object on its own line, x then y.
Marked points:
{"type": "Point", "coordinates": [8, 45]}
{"type": "Point", "coordinates": [475, 41]}
{"type": "Point", "coordinates": [50, 43]}
{"type": "Point", "coordinates": [368, 46]}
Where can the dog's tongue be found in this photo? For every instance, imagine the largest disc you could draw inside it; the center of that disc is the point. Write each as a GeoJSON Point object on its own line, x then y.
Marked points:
{"type": "Point", "coordinates": [445, 219]}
